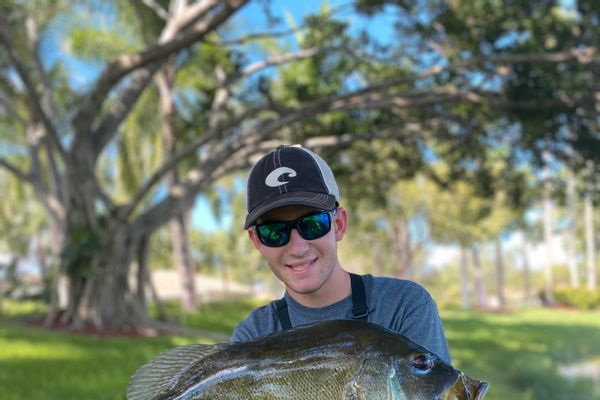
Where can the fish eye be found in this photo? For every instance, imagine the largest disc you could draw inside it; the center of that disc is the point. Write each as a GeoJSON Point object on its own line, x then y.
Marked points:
{"type": "Point", "coordinates": [422, 364]}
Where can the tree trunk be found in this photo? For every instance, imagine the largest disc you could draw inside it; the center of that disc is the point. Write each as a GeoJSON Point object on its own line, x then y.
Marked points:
{"type": "Point", "coordinates": [142, 271]}
{"type": "Point", "coordinates": [572, 230]}
{"type": "Point", "coordinates": [404, 251]}
{"type": "Point", "coordinates": [548, 231]}
{"type": "Point", "coordinates": [144, 280]}
{"type": "Point", "coordinates": [225, 279]}
{"type": "Point", "coordinates": [96, 257]}
{"type": "Point", "coordinates": [399, 236]}
{"type": "Point", "coordinates": [526, 279]}
{"type": "Point", "coordinates": [464, 278]}
{"type": "Point", "coordinates": [379, 259]}
{"type": "Point", "coordinates": [162, 313]}
{"type": "Point", "coordinates": [590, 243]}
{"type": "Point", "coordinates": [57, 281]}
{"type": "Point", "coordinates": [101, 294]}
{"type": "Point", "coordinates": [183, 262]}
{"type": "Point", "coordinates": [179, 232]}
{"type": "Point", "coordinates": [479, 279]}
{"type": "Point", "coordinates": [500, 273]}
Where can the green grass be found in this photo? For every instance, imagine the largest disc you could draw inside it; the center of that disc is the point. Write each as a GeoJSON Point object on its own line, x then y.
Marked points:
{"type": "Point", "coordinates": [214, 317]}
{"type": "Point", "coordinates": [518, 354]}
{"type": "Point", "coordinates": [39, 364]}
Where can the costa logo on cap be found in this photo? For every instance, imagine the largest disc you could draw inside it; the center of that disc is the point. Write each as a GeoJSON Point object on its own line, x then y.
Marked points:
{"type": "Point", "coordinates": [273, 179]}
{"type": "Point", "coordinates": [289, 175]}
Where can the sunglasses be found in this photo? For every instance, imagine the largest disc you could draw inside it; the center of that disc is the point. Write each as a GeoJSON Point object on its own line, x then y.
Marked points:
{"type": "Point", "coordinates": [310, 227]}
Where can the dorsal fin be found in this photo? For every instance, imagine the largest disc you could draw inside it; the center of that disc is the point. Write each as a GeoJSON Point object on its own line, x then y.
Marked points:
{"type": "Point", "coordinates": [161, 373]}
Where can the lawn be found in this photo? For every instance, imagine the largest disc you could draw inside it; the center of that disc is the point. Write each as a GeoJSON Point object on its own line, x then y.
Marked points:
{"type": "Point", "coordinates": [39, 364]}
{"type": "Point", "coordinates": [519, 353]}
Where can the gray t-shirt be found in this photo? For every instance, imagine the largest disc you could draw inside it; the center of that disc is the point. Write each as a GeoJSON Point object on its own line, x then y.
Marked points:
{"type": "Point", "coordinates": [399, 305]}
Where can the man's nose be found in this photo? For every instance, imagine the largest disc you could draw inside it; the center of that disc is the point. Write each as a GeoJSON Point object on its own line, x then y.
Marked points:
{"type": "Point", "coordinates": [297, 244]}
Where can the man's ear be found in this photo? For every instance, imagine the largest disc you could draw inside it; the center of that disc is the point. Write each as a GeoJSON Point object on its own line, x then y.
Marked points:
{"type": "Point", "coordinates": [340, 223]}
{"type": "Point", "coordinates": [254, 238]}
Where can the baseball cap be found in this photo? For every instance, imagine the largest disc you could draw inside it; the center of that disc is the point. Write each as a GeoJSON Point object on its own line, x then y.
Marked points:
{"type": "Point", "coordinates": [289, 175]}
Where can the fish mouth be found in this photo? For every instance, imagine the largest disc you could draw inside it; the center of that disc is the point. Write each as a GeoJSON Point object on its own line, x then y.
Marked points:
{"type": "Point", "coordinates": [465, 388]}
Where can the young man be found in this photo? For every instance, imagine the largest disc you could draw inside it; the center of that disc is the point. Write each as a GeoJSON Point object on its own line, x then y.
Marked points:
{"type": "Point", "coordinates": [295, 221]}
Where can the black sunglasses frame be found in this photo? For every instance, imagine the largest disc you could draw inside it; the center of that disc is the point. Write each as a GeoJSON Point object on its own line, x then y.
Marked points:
{"type": "Point", "coordinates": [294, 224]}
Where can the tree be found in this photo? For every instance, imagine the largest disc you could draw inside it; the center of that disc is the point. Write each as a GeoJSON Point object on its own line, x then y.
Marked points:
{"type": "Point", "coordinates": [572, 229]}
{"type": "Point", "coordinates": [548, 233]}
{"type": "Point", "coordinates": [454, 216]}
{"type": "Point", "coordinates": [392, 235]}
{"type": "Point", "coordinates": [590, 242]}
{"type": "Point", "coordinates": [440, 83]}
{"type": "Point", "coordinates": [226, 250]}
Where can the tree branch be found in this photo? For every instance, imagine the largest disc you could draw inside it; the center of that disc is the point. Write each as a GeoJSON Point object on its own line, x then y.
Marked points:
{"type": "Point", "coordinates": [216, 110]}
{"type": "Point", "coordinates": [282, 59]}
{"type": "Point", "coordinates": [10, 110]}
{"type": "Point", "coordinates": [32, 94]}
{"type": "Point", "coordinates": [222, 96]}
{"type": "Point", "coordinates": [232, 155]}
{"type": "Point", "coordinates": [178, 34]}
{"type": "Point", "coordinates": [183, 153]}
{"type": "Point", "coordinates": [17, 172]}
{"type": "Point", "coordinates": [47, 105]}
{"type": "Point", "coordinates": [583, 55]}
{"type": "Point", "coordinates": [121, 107]}
{"type": "Point", "coordinates": [257, 36]}
{"type": "Point", "coordinates": [157, 8]}
{"type": "Point", "coordinates": [182, 195]}
{"type": "Point", "coordinates": [272, 35]}
{"type": "Point", "coordinates": [46, 86]}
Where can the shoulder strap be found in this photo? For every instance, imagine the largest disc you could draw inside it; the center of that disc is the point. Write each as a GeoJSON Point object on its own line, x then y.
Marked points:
{"type": "Point", "coordinates": [359, 303]}
{"type": "Point", "coordinates": [282, 313]}
{"type": "Point", "coordinates": [359, 297]}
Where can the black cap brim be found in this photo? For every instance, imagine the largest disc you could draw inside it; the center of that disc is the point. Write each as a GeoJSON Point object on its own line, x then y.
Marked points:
{"type": "Point", "coordinates": [309, 199]}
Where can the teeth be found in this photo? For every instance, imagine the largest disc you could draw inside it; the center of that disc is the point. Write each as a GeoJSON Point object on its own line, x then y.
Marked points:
{"type": "Point", "coordinates": [300, 267]}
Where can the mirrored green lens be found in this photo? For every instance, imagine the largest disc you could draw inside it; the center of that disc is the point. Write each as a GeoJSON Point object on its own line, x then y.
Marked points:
{"type": "Point", "coordinates": [274, 234]}
{"type": "Point", "coordinates": [314, 226]}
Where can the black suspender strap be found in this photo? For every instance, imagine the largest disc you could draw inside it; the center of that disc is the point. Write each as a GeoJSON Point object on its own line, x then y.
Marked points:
{"type": "Point", "coordinates": [283, 314]}
{"type": "Point", "coordinates": [359, 297]}
{"type": "Point", "coordinates": [359, 303]}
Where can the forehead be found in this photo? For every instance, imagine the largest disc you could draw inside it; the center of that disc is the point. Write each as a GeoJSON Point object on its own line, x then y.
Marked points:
{"type": "Point", "coordinates": [286, 213]}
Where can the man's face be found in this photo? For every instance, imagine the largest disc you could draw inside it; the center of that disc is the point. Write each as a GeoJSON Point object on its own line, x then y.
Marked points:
{"type": "Point", "coordinates": [304, 266]}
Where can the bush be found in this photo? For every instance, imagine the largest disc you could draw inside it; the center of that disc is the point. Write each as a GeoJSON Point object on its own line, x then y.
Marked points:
{"type": "Point", "coordinates": [581, 298]}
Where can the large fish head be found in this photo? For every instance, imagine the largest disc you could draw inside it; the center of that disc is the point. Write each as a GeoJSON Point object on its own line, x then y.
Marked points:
{"type": "Point", "coordinates": [422, 376]}
{"type": "Point", "coordinates": [417, 376]}
{"type": "Point", "coordinates": [466, 388]}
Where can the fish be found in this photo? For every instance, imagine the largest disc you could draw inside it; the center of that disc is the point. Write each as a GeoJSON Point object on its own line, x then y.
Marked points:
{"type": "Point", "coordinates": [329, 360]}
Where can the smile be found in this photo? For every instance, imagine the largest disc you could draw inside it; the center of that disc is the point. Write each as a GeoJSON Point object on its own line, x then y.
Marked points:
{"type": "Point", "coordinates": [299, 267]}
